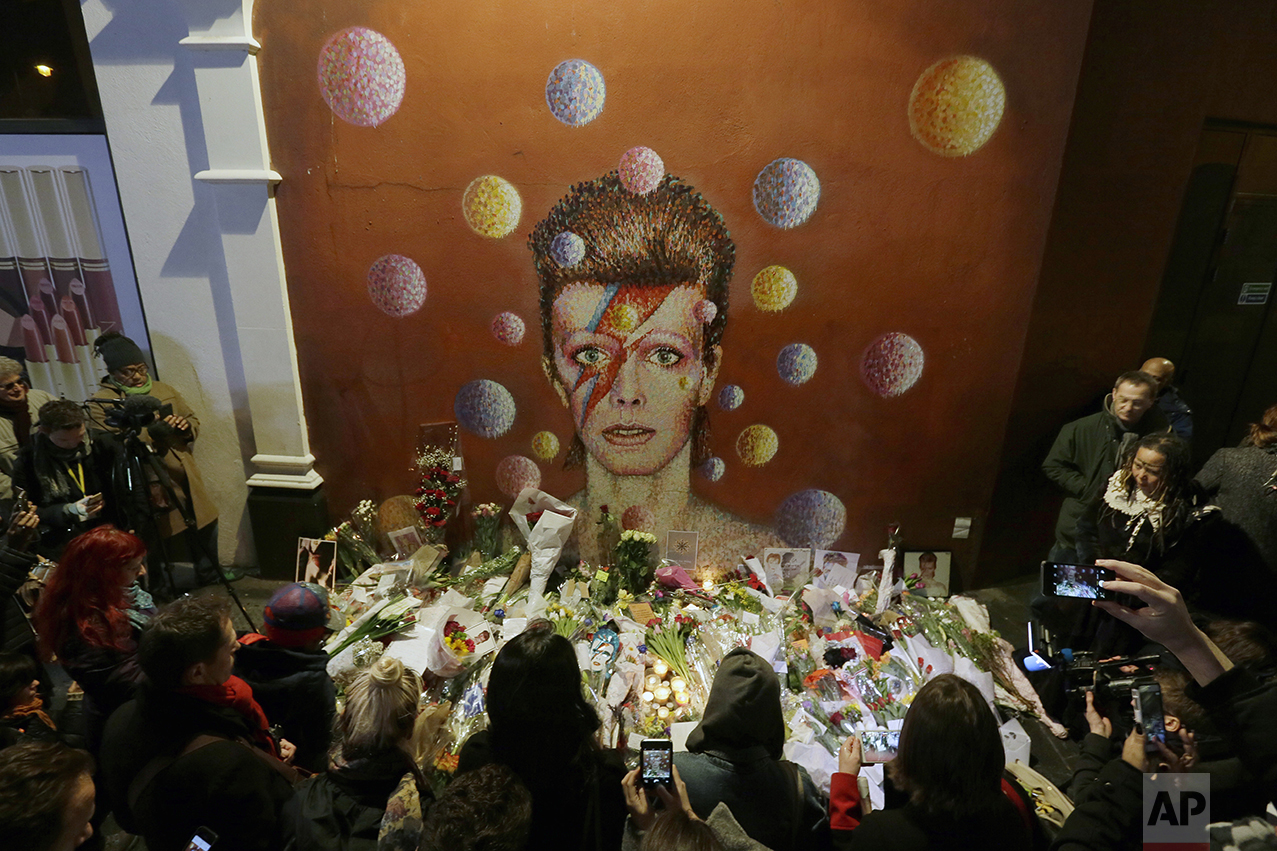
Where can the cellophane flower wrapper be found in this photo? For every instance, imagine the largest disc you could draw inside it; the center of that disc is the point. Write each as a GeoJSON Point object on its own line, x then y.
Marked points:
{"type": "Point", "coordinates": [545, 534]}
{"type": "Point", "coordinates": [446, 660]}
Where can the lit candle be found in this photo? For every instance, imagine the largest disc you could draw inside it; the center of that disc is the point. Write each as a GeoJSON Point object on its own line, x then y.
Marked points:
{"type": "Point", "coordinates": [682, 697]}
{"type": "Point", "coordinates": [661, 668]}
{"type": "Point", "coordinates": [662, 712]}
{"type": "Point", "coordinates": [648, 696]}
{"type": "Point", "coordinates": [678, 684]}
{"type": "Point", "coordinates": [662, 694]}
{"type": "Point", "coordinates": [708, 585]}
{"type": "Point", "coordinates": [652, 680]}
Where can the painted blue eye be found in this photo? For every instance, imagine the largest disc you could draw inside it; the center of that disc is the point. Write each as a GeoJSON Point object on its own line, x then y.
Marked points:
{"type": "Point", "coordinates": [590, 356]}
{"type": "Point", "coordinates": [665, 356]}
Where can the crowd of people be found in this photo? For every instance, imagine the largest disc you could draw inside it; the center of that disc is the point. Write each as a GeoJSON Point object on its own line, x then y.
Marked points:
{"type": "Point", "coordinates": [189, 729]}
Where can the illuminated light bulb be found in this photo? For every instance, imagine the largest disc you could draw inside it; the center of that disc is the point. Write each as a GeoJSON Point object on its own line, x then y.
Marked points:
{"type": "Point", "coordinates": [648, 697]}
{"type": "Point", "coordinates": [661, 668]}
{"type": "Point", "coordinates": [678, 684]}
{"type": "Point", "coordinates": [44, 70]}
{"type": "Point", "coordinates": [662, 712]}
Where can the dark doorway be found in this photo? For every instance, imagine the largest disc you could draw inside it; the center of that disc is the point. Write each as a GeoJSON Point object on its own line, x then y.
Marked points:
{"type": "Point", "coordinates": [1214, 316]}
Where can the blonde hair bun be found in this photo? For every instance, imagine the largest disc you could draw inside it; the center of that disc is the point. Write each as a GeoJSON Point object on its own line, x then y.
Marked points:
{"type": "Point", "coordinates": [386, 672]}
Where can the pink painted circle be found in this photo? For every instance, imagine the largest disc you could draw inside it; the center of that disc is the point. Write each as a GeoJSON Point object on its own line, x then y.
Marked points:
{"type": "Point", "coordinates": [891, 364]}
{"type": "Point", "coordinates": [396, 285]}
{"type": "Point", "coordinates": [508, 328]}
{"type": "Point", "coordinates": [361, 76]}
{"type": "Point", "coordinates": [516, 472]}
{"type": "Point", "coordinates": [641, 170]}
{"type": "Point", "coordinates": [638, 518]}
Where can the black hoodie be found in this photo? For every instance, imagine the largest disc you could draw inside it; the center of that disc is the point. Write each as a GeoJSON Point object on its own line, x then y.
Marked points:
{"type": "Point", "coordinates": [734, 757]}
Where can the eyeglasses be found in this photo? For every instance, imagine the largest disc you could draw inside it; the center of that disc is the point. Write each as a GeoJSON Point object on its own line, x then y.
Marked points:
{"type": "Point", "coordinates": [12, 384]}
{"type": "Point", "coordinates": [137, 371]}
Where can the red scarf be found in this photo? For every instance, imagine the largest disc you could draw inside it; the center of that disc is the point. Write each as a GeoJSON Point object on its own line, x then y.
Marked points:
{"type": "Point", "coordinates": [238, 695]}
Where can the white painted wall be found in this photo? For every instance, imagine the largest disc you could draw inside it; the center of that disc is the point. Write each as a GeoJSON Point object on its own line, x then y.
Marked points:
{"type": "Point", "coordinates": [222, 360]}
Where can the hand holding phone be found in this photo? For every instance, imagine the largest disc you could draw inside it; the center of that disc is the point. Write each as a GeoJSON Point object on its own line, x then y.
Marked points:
{"type": "Point", "coordinates": [202, 840]}
{"type": "Point", "coordinates": [1147, 700]}
{"type": "Point", "coordinates": [656, 763]}
{"type": "Point", "coordinates": [1079, 581]}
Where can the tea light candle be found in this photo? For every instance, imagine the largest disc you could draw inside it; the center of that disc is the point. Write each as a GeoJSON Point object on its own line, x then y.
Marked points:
{"type": "Point", "coordinates": [678, 684]}
{"type": "Point", "coordinates": [662, 712]}
{"type": "Point", "coordinates": [652, 680]}
{"type": "Point", "coordinates": [662, 694]}
{"type": "Point", "coordinates": [661, 668]}
{"type": "Point", "coordinates": [648, 697]}
{"type": "Point", "coordinates": [682, 697]}
{"type": "Point", "coordinates": [708, 585]}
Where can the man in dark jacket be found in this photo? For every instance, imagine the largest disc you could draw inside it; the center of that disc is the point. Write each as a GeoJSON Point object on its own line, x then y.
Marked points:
{"type": "Point", "coordinates": [1177, 412]}
{"type": "Point", "coordinates": [288, 670]}
{"type": "Point", "coordinates": [734, 757]}
{"type": "Point", "coordinates": [1085, 453]}
{"type": "Point", "coordinates": [194, 749]}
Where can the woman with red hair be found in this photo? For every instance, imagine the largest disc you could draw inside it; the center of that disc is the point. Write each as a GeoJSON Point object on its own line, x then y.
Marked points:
{"type": "Point", "coordinates": [89, 617]}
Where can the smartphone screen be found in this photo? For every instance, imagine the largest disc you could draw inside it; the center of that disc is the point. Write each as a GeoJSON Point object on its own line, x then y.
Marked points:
{"type": "Point", "coordinates": [1148, 711]}
{"type": "Point", "coordinates": [1081, 581]}
{"type": "Point", "coordinates": [879, 745]}
{"type": "Point", "coordinates": [656, 762]}
{"type": "Point", "coordinates": [202, 840]}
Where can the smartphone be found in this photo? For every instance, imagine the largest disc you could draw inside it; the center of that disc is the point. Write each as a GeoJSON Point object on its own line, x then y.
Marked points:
{"type": "Point", "coordinates": [1147, 700]}
{"type": "Point", "coordinates": [202, 840]}
{"type": "Point", "coordinates": [1034, 661]}
{"type": "Point", "coordinates": [879, 745]}
{"type": "Point", "coordinates": [656, 762]}
{"type": "Point", "coordinates": [1081, 581]}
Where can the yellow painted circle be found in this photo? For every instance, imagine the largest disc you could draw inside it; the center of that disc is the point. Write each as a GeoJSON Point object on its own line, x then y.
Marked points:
{"type": "Point", "coordinates": [774, 288]}
{"type": "Point", "coordinates": [492, 206]}
{"type": "Point", "coordinates": [956, 105]}
{"type": "Point", "coordinates": [545, 445]}
{"type": "Point", "coordinates": [757, 445]}
{"type": "Point", "coordinates": [625, 317]}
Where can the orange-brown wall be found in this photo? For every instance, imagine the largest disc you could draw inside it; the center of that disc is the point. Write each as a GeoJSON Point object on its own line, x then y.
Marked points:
{"type": "Point", "coordinates": [1153, 73]}
{"type": "Point", "coordinates": [947, 250]}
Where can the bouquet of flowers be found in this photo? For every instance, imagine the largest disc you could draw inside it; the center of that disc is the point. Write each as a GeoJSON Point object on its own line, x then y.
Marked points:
{"type": "Point", "coordinates": [378, 622]}
{"type": "Point", "coordinates": [668, 641]}
{"type": "Point", "coordinates": [454, 636]}
{"type": "Point", "coordinates": [438, 490]}
{"type": "Point", "coordinates": [633, 560]}
{"type": "Point", "coordinates": [487, 525]}
{"type": "Point", "coordinates": [355, 550]}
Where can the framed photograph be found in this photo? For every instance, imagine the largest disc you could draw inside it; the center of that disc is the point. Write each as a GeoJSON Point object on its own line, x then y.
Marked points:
{"type": "Point", "coordinates": [830, 568]}
{"type": "Point", "coordinates": [406, 541]}
{"type": "Point", "coordinates": [787, 569]}
{"type": "Point", "coordinates": [931, 567]}
{"type": "Point", "coordinates": [317, 562]}
{"type": "Point", "coordinates": [66, 272]}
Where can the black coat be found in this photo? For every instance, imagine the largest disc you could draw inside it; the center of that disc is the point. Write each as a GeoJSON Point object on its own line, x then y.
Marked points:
{"type": "Point", "coordinates": [39, 471]}
{"type": "Point", "coordinates": [222, 786]}
{"type": "Point", "coordinates": [294, 690]}
{"type": "Point", "coordinates": [341, 809]}
{"type": "Point", "coordinates": [15, 629]}
{"type": "Point", "coordinates": [559, 810]}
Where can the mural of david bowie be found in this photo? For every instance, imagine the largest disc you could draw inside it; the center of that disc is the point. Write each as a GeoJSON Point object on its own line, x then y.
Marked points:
{"type": "Point", "coordinates": [631, 346]}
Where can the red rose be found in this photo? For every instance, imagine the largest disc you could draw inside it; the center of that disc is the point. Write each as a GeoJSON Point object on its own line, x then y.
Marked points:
{"type": "Point", "coordinates": [470, 645]}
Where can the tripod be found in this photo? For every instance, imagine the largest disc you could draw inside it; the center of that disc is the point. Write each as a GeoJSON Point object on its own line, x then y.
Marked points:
{"type": "Point", "coordinates": [132, 488]}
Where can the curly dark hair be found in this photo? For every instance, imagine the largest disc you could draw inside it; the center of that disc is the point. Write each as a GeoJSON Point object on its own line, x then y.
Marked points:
{"type": "Point", "coordinates": [1179, 497]}
{"type": "Point", "coordinates": [671, 235]}
{"type": "Point", "coordinates": [487, 809]}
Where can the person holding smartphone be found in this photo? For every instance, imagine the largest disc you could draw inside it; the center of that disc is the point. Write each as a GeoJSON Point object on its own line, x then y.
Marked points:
{"type": "Point", "coordinates": [674, 824]}
{"type": "Point", "coordinates": [950, 765]}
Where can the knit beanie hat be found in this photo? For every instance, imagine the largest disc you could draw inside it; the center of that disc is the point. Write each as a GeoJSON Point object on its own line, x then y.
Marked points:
{"type": "Point", "coordinates": [297, 614]}
{"type": "Point", "coordinates": [118, 351]}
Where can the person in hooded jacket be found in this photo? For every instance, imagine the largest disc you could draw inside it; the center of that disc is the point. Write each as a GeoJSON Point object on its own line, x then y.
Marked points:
{"type": "Point", "coordinates": [342, 808]}
{"type": "Point", "coordinates": [734, 757]}
{"type": "Point", "coordinates": [287, 669]}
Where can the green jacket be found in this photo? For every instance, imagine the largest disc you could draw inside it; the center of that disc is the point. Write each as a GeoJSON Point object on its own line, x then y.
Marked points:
{"type": "Point", "coordinates": [1083, 458]}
